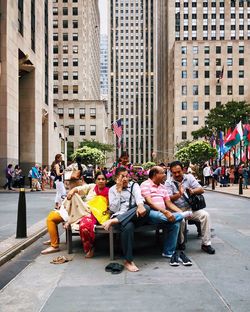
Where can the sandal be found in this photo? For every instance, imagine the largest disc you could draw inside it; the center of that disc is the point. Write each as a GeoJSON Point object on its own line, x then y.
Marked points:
{"type": "Point", "coordinates": [47, 242]}
{"type": "Point", "coordinates": [60, 260]}
{"type": "Point", "coordinates": [114, 268]}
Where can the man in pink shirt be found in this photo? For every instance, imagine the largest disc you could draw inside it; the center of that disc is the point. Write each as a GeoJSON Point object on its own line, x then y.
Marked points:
{"type": "Point", "coordinates": [163, 211]}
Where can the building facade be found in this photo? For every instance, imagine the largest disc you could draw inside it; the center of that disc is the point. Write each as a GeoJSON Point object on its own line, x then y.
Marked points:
{"type": "Point", "coordinates": [104, 66]}
{"type": "Point", "coordinates": [76, 60]}
{"type": "Point", "coordinates": [26, 101]}
{"type": "Point", "coordinates": [132, 83]}
{"type": "Point", "coordinates": [208, 62]}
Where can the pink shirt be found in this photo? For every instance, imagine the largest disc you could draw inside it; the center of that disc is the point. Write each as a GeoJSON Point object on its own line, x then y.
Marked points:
{"type": "Point", "coordinates": [158, 193]}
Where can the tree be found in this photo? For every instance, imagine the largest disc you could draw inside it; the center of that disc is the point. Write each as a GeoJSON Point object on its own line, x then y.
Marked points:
{"type": "Point", "coordinates": [197, 152]}
{"type": "Point", "coordinates": [105, 148]}
{"type": "Point", "coordinates": [224, 117]}
{"type": "Point", "coordinates": [182, 144]}
{"type": "Point", "coordinates": [90, 155]}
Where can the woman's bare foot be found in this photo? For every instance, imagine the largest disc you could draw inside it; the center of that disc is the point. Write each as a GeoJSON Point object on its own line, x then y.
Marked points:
{"type": "Point", "coordinates": [130, 266]}
{"type": "Point", "coordinates": [107, 224]}
{"type": "Point", "coordinates": [90, 253]}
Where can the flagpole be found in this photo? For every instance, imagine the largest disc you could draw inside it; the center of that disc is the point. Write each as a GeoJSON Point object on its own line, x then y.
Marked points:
{"type": "Point", "coordinates": [240, 151]}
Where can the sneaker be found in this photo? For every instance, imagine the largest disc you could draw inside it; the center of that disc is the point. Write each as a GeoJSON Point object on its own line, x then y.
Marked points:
{"type": "Point", "coordinates": [184, 259]}
{"type": "Point", "coordinates": [174, 261]}
{"type": "Point", "coordinates": [209, 249]}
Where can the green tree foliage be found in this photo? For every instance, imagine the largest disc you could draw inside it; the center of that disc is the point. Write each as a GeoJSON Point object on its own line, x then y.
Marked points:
{"type": "Point", "coordinates": [148, 165]}
{"type": "Point", "coordinates": [224, 117]}
{"type": "Point", "coordinates": [90, 155]}
{"type": "Point", "coordinates": [197, 152]}
{"type": "Point", "coordinates": [182, 144]}
{"type": "Point", "coordinates": [95, 144]}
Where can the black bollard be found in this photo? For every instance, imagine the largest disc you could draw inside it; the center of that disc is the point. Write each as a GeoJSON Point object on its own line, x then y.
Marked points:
{"type": "Point", "coordinates": [240, 186]}
{"type": "Point", "coordinates": [213, 184]}
{"type": "Point", "coordinates": [21, 229]}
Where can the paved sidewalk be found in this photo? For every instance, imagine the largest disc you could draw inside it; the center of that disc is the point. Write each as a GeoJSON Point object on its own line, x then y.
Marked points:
{"type": "Point", "coordinates": [230, 190]}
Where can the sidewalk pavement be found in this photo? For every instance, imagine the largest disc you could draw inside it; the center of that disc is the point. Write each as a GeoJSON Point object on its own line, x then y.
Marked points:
{"type": "Point", "coordinates": [214, 283]}
{"type": "Point", "coordinates": [230, 190]}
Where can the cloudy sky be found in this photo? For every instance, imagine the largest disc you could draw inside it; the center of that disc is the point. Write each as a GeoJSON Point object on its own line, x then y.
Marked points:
{"type": "Point", "coordinates": [103, 16]}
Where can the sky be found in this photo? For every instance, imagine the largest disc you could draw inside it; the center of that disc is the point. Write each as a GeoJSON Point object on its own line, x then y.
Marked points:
{"type": "Point", "coordinates": [103, 16]}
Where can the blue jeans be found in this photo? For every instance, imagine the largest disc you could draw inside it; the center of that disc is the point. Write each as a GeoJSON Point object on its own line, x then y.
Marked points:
{"type": "Point", "coordinates": [170, 232]}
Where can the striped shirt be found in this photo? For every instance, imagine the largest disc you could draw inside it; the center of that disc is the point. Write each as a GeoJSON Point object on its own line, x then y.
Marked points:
{"type": "Point", "coordinates": [158, 193]}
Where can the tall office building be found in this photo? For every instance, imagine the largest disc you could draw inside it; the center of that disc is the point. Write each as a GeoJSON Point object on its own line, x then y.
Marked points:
{"type": "Point", "coordinates": [104, 66]}
{"type": "Point", "coordinates": [206, 64]}
{"type": "Point", "coordinates": [76, 37]}
{"type": "Point", "coordinates": [26, 101]}
{"type": "Point", "coordinates": [132, 75]}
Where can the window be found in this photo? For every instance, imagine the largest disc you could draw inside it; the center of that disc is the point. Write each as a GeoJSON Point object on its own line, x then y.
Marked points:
{"type": "Point", "coordinates": [241, 73]}
{"type": "Point", "coordinates": [65, 24]}
{"type": "Point", "coordinates": [65, 11]}
{"type": "Point", "coordinates": [206, 62]}
{"type": "Point", "coordinates": [65, 62]}
{"type": "Point", "coordinates": [229, 61]}
{"type": "Point", "coordinates": [71, 130]}
{"type": "Point", "coordinates": [241, 49]}
{"type": "Point", "coordinates": [92, 113]}
{"type": "Point", "coordinates": [195, 105]}
{"type": "Point", "coordinates": [195, 74]}
{"type": "Point", "coordinates": [241, 90]}
{"type": "Point", "coordinates": [184, 120]}
{"type": "Point", "coordinates": [82, 113]}
{"type": "Point", "coordinates": [183, 74]}
{"type": "Point", "coordinates": [218, 72]}
{"type": "Point", "coordinates": [207, 90]}
{"type": "Point", "coordinates": [75, 62]}
{"type": "Point", "coordinates": [71, 112]}
{"type": "Point", "coordinates": [65, 89]}
{"type": "Point", "coordinates": [195, 50]}
{"type": "Point", "coordinates": [229, 90]}
{"type": "Point", "coordinates": [75, 24]}
{"type": "Point", "coordinates": [184, 90]}
{"type": "Point", "coordinates": [55, 49]}
{"type": "Point", "coordinates": [218, 50]}
{"type": "Point", "coordinates": [75, 75]}
{"type": "Point", "coordinates": [229, 74]}
{"type": "Point", "coordinates": [195, 90]}
{"type": "Point", "coordinates": [195, 62]}
{"type": "Point", "coordinates": [55, 36]}
{"type": "Point", "coordinates": [65, 49]}
{"type": "Point", "coordinates": [82, 129]}
{"type": "Point", "coordinates": [75, 49]}
{"type": "Point", "coordinates": [75, 89]}
{"type": "Point", "coordinates": [65, 37]}
{"type": "Point", "coordinates": [241, 61]}
{"type": "Point", "coordinates": [60, 113]}
{"type": "Point", "coordinates": [195, 120]}
{"type": "Point", "coordinates": [218, 90]}
{"type": "Point", "coordinates": [183, 50]}
{"type": "Point", "coordinates": [184, 62]}
{"type": "Point", "coordinates": [183, 105]}
{"type": "Point", "coordinates": [229, 49]}
{"type": "Point", "coordinates": [92, 130]}
{"type": "Point", "coordinates": [55, 76]}
{"type": "Point", "coordinates": [20, 16]}
{"type": "Point", "coordinates": [55, 61]}
{"type": "Point", "coordinates": [184, 135]}
{"type": "Point", "coordinates": [75, 37]}
{"type": "Point", "coordinates": [206, 74]}
{"type": "Point", "coordinates": [206, 50]}
{"type": "Point", "coordinates": [55, 23]}
{"type": "Point", "coordinates": [206, 105]}
{"type": "Point", "coordinates": [75, 11]}
{"type": "Point", "coordinates": [55, 89]}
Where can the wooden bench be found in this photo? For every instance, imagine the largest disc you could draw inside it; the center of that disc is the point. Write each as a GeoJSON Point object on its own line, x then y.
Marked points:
{"type": "Point", "coordinates": [100, 230]}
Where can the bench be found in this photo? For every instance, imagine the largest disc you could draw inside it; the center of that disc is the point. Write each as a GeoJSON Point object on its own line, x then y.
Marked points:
{"type": "Point", "coordinates": [113, 230]}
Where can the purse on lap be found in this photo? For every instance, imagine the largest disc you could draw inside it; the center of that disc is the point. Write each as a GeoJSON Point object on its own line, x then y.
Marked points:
{"type": "Point", "coordinates": [99, 207]}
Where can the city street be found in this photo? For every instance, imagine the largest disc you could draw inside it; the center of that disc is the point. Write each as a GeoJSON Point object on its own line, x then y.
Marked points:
{"type": "Point", "coordinates": [214, 283]}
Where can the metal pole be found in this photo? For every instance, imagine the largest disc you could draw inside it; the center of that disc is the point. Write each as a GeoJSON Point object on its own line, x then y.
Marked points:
{"type": "Point", "coordinates": [213, 184]}
{"type": "Point", "coordinates": [21, 229]}
{"type": "Point", "coordinates": [240, 185]}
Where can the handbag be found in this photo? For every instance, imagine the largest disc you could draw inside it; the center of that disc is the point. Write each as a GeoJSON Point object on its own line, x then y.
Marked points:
{"type": "Point", "coordinates": [99, 208]}
{"type": "Point", "coordinates": [196, 202]}
{"type": "Point", "coordinates": [72, 175]}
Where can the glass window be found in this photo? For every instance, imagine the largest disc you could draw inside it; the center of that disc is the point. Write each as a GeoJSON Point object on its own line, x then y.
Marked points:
{"type": "Point", "coordinates": [65, 11]}
{"type": "Point", "coordinates": [229, 61]}
{"type": "Point", "coordinates": [75, 89]}
{"type": "Point", "coordinates": [75, 75]}
{"type": "Point", "coordinates": [55, 75]}
{"type": "Point", "coordinates": [229, 90]}
{"type": "Point", "coordinates": [241, 61]}
{"type": "Point", "coordinates": [184, 62]}
{"type": "Point", "coordinates": [55, 89]}
{"type": "Point", "coordinates": [55, 49]}
{"type": "Point", "coordinates": [75, 49]}
{"type": "Point", "coordinates": [55, 36]}
{"type": "Point", "coordinates": [184, 135]}
{"type": "Point", "coordinates": [229, 49]}
{"type": "Point", "coordinates": [241, 73]}
{"type": "Point", "coordinates": [195, 120]}
{"type": "Point", "coordinates": [218, 62]}
{"type": "Point", "coordinates": [55, 23]}
{"type": "Point", "coordinates": [183, 50]}
{"type": "Point", "coordinates": [92, 113]}
{"type": "Point", "coordinates": [65, 24]}
{"type": "Point", "coordinates": [60, 113]}
{"type": "Point", "coordinates": [75, 11]}
{"type": "Point", "coordinates": [65, 89]}
{"type": "Point", "coordinates": [195, 50]}
{"type": "Point", "coordinates": [65, 62]}
{"type": "Point", "coordinates": [206, 74]}
{"type": "Point", "coordinates": [206, 50]}
{"type": "Point", "coordinates": [229, 74]}
{"type": "Point", "coordinates": [207, 90]}
{"type": "Point", "coordinates": [218, 104]}
{"type": "Point", "coordinates": [183, 74]}
{"type": "Point", "coordinates": [195, 74]}
{"type": "Point", "coordinates": [65, 37]}
{"type": "Point", "coordinates": [195, 90]}
{"type": "Point", "coordinates": [206, 105]}
{"type": "Point", "coordinates": [241, 90]}
{"type": "Point", "coordinates": [218, 90]}
{"type": "Point", "coordinates": [82, 113]}
{"type": "Point", "coordinates": [184, 90]}
{"type": "Point", "coordinates": [183, 120]}
{"type": "Point", "coordinates": [184, 105]}
{"type": "Point", "coordinates": [75, 24]}
{"type": "Point", "coordinates": [218, 50]}
{"type": "Point", "coordinates": [75, 62]}
{"type": "Point", "coordinates": [71, 112]}
{"type": "Point", "coordinates": [241, 49]}
{"type": "Point", "coordinates": [82, 129]}
{"type": "Point", "coordinates": [206, 62]}
{"type": "Point", "coordinates": [55, 61]}
{"type": "Point", "coordinates": [75, 37]}
{"type": "Point", "coordinates": [195, 62]}
{"type": "Point", "coordinates": [195, 105]}
{"type": "Point", "coordinates": [92, 130]}
{"type": "Point", "coordinates": [71, 130]}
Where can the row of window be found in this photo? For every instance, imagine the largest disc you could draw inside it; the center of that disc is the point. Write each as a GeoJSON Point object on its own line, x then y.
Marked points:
{"type": "Point", "coordinates": [65, 49]}
{"type": "Point", "coordinates": [195, 49]}
{"type": "Point", "coordinates": [218, 73]}
{"type": "Point", "coordinates": [195, 62]}
{"type": "Point", "coordinates": [65, 75]}
{"type": "Point", "coordinates": [212, 16]}
{"type": "Point", "coordinates": [213, 37]}
{"type": "Point", "coordinates": [65, 62]}
{"type": "Point", "coordinates": [65, 24]}
{"type": "Point", "coordinates": [65, 37]}
{"type": "Point", "coordinates": [195, 90]}
{"type": "Point", "coordinates": [65, 89]}
{"type": "Point", "coordinates": [65, 1]}
{"type": "Point", "coordinates": [195, 105]}
{"type": "Point", "coordinates": [184, 120]}
{"type": "Point", "coordinates": [213, 28]}
{"type": "Point", "coordinates": [213, 4]}
{"type": "Point", "coordinates": [82, 130]}
{"type": "Point", "coordinates": [65, 11]}
{"type": "Point", "coordinates": [82, 113]}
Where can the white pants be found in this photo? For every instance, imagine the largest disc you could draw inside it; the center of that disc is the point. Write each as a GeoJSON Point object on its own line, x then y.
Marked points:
{"type": "Point", "coordinates": [204, 218]}
{"type": "Point", "coordinates": [60, 191]}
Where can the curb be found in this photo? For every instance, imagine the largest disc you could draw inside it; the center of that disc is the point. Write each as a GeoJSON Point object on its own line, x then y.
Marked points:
{"type": "Point", "coordinates": [226, 193]}
{"type": "Point", "coordinates": [13, 251]}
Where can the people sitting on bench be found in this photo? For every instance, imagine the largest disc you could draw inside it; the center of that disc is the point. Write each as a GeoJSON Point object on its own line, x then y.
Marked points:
{"type": "Point", "coordinates": [75, 208]}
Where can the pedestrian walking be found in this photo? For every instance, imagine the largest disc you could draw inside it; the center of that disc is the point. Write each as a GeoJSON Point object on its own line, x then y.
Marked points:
{"type": "Point", "coordinates": [9, 172]}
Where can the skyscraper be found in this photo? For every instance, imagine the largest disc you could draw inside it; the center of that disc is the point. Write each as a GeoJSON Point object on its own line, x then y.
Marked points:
{"type": "Point", "coordinates": [104, 66]}
{"type": "Point", "coordinates": [132, 75]}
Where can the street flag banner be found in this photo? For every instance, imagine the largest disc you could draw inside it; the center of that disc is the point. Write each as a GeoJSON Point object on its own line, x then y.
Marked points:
{"type": "Point", "coordinates": [222, 150]}
{"type": "Point", "coordinates": [117, 128]}
{"type": "Point", "coordinates": [235, 137]}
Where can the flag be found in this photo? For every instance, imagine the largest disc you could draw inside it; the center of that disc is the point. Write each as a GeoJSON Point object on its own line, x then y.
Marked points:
{"type": "Point", "coordinates": [235, 137]}
{"type": "Point", "coordinates": [221, 74]}
{"type": "Point", "coordinates": [246, 134]}
{"type": "Point", "coordinates": [117, 128]}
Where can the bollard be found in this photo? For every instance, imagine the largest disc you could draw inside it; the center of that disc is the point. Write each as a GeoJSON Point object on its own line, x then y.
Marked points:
{"type": "Point", "coordinates": [213, 184]}
{"type": "Point", "coordinates": [240, 186]}
{"type": "Point", "coordinates": [21, 230]}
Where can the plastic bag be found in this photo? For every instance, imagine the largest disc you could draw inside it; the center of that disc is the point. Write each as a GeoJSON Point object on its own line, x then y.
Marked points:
{"type": "Point", "coordinates": [99, 207]}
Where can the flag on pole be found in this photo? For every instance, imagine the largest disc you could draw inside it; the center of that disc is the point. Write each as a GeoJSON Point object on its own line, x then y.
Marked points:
{"type": "Point", "coordinates": [235, 137]}
{"type": "Point", "coordinates": [246, 134]}
{"type": "Point", "coordinates": [117, 128]}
